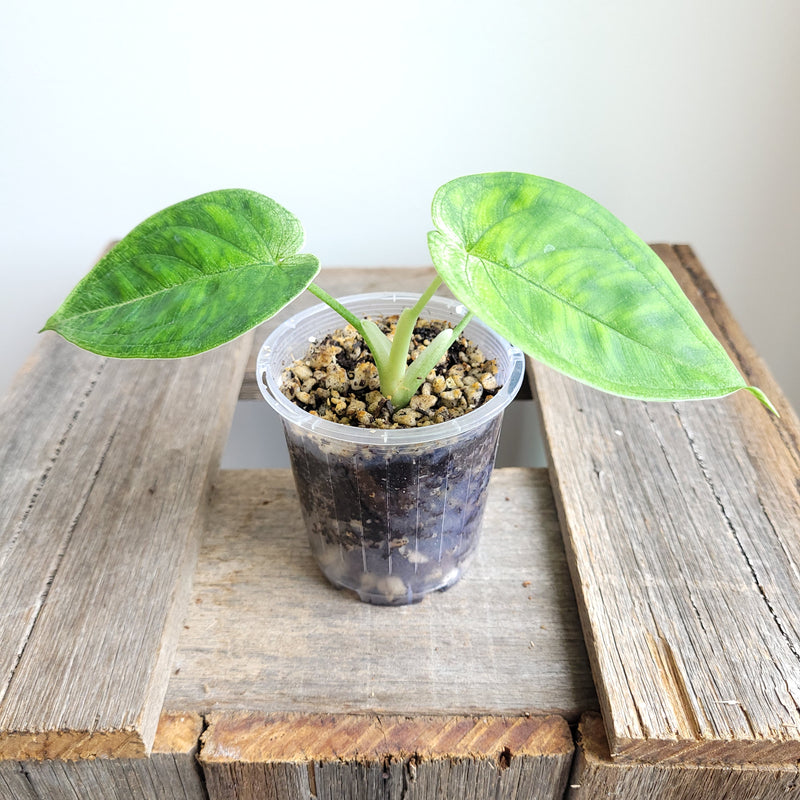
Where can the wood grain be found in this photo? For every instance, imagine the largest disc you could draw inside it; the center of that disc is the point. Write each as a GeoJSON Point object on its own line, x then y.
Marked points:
{"type": "Point", "coordinates": [682, 528]}
{"type": "Point", "coordinates": [340, 757]}
{"type": "Point", "coordinates": [47, 411]}
{"type": "Point", "coordinates": [596, 775]}
{"type": "Point", "coordinates": [171, 772]}
{"type": "Point", "coordinates": [267, 632]}
{"type": "Point", "coordinates": [102, 484]}
{"type": "Point", "coordinates": [14, 783]}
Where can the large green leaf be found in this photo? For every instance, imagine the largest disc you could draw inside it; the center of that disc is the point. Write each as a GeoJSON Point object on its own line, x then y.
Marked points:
{"type": "Point", "coordinates": [566, 281]}
{"type": "Point", "coordinates": [189, 278]}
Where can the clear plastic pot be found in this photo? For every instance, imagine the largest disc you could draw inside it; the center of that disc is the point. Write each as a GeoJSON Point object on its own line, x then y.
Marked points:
{"type": "Point", "coordinates": [391, 514]}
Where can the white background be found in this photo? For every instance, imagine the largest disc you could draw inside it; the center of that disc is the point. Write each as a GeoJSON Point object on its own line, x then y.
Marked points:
{"type": "Point", "coordinates": [681, 116]}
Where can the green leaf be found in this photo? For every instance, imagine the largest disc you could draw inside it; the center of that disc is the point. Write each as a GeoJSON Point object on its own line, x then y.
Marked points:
{"type": "Point", "coordinates": [419, 368]}
{"type": "Point", "coordinates": [566, 281]}
{"type": "Point", "coordinates": [189, 278]}
{"type": "Point", "coordinates": [377, 341]}
{"type": "Point", "coordinates": [395, 369]}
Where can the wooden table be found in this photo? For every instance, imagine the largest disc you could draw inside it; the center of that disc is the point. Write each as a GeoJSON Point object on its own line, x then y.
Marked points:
{"type": "Point", "coordinates": [630, 629]}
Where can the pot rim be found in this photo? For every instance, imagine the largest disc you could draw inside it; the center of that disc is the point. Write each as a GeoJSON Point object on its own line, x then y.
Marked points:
{"type": "Point", "coordinates": [496, 346]}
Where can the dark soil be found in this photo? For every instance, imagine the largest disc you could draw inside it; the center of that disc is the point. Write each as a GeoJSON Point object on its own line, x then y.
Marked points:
{"type": "Point", "coordinates": [393, 525]}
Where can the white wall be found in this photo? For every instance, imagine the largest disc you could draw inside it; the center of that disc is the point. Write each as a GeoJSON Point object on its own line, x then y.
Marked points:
{"type": "Point", "coordinates": [681, 116]}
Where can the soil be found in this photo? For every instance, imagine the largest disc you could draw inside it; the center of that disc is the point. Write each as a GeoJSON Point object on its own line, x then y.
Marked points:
{"type": "Point", "coordinates": [393, 524]}
{"type": "Point", "coordinates": [337, 380]}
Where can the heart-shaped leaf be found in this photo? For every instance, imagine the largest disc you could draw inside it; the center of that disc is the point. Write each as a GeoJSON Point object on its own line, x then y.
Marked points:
{"type": "Point", "coordinates": [189, 278]}
{"type": "Point", "coordinates": [566, 281]}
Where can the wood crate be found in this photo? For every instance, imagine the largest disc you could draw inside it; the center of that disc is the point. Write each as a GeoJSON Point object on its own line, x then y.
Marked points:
{"type": "Point", "coordinates": [166, 634]}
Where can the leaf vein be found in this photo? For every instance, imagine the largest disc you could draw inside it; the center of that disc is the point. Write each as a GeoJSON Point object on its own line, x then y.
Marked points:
{"type": "Point", "coordinates": [562, 299]}
{"type": "Point", "coordinates": [201, 277]}
{"type": "Point", "coordinates": [178, 227]}
{"type": "Point", "coordinates": [612, 250]}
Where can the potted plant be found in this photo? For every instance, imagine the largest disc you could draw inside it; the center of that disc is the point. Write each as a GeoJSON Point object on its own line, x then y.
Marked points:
{"type": "Point", "coordinates": [393, 513]}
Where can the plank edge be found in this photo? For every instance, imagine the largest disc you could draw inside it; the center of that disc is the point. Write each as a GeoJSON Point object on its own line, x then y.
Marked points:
{"type": "Point", "coordinates": [249, 737]}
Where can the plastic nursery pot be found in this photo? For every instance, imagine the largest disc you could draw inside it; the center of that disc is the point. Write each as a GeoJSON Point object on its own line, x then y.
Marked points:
{"type": "Point", "coordinates": [391, 514]}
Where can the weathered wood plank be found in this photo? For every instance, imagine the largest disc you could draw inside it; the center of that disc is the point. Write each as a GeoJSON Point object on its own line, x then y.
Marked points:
{"type": "Point", "coordinates": [171, 772]}
{"type": "Point", "coordinates": [344, 757]}
{"type": "Point", "coordinates": [48, 411]}
{"type": "Point", "coordinates": [101, 541]}
{"type": "Point", "coordinates": [697, 284]}
{"type": "Point", "coordinates": [682, 528]}
{"type": "Point", "coordinates": [267, 632]}
{"type": "Point", "coordinates": [14, 783]}
{"type": "Point", "coordinates": [596, 775]}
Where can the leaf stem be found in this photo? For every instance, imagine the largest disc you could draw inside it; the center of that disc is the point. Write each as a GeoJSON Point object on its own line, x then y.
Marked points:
{"type": "Point", "coordinates": [394, 374]}
{"type": "Point", "coordinates": [418, 369]}
{"type": "Point", "coordinates": [463, 324]}
{"type": "Point", "coordinates": [377, 342]}
{"type": "Point", "coordinates": [426, 296]}
{"type": "Point", "coordinates": [348, 315]}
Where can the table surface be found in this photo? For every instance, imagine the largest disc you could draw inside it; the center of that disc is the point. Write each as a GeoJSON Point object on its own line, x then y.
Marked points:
{"type": "Point", "coordinates": [137, 579]}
